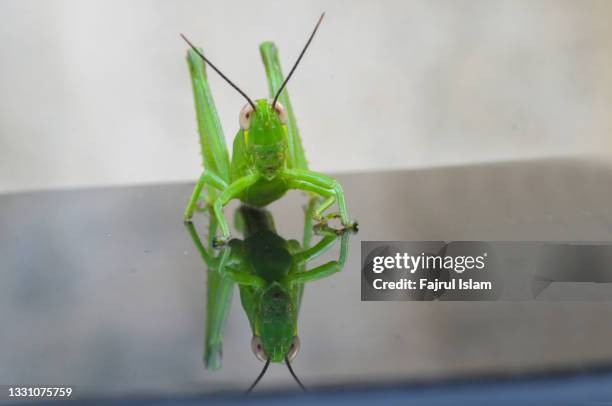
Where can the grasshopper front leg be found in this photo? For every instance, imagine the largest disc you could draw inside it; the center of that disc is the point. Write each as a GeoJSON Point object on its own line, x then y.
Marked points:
{"type": "Point", "coordinates": [208, 178]}
{"type": "Point", "coordinates": [231, 192]}
{"type": "Point", "coordinates": [324, 186]}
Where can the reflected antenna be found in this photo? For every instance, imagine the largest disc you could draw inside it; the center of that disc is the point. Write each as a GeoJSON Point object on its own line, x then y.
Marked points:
{"type": "Point", "coordinates": [261, 374]}
{"type": "Point", "coordinates": [294, 375]}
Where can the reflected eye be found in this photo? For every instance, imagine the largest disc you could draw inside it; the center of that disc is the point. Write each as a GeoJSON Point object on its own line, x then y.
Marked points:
{"type": "Point", "coordinates": [257, 348]}
{"type": "Point", "coordinates": [245, 116]}
{"type": "Point", "coordinates": [294, 349]}
{"type": "Point", "coordinates": [281, 111]}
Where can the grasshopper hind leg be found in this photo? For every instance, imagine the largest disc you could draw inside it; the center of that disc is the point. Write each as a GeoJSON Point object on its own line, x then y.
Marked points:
{"type": "Point", "coordinates": [215, 157]}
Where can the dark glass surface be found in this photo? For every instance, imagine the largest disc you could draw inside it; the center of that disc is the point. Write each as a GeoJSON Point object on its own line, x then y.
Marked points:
{"type": "Point", "coordinates": [103, 288]}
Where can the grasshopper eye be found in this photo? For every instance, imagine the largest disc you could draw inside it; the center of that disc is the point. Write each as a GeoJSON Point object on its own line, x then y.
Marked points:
{"type": "Point", "coordinates": [281, 111]}
{"type": "Point", "coordinates": [257, 348]}
{"type": "Point", "coordinates": [245, 116]}
{"type": "Point", "coordinates": [294, 349]}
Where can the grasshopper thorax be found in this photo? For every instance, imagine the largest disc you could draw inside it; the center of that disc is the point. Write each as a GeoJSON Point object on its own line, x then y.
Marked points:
{"type": "Point", "coordinates": [265, 136]}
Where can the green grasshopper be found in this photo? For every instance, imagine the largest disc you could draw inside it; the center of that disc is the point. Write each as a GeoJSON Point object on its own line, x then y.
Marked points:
{"type": "Point", "coordinates": [268, 158]}
{"type": "Point", "coordinates": [271, 273]}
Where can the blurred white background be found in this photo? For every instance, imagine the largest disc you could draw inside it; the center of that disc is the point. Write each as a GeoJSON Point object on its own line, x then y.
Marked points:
{"type": "Point", "coordinates": [97, 92]}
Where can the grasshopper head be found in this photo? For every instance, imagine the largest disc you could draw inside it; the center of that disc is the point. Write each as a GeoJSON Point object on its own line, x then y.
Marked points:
{"type": "Point", "coordinates": [276, 324]}
{"type": "Point", "coordinates": [265, 134]}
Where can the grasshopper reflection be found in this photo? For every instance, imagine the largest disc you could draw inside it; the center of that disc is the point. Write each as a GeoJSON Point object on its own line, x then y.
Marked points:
{"type": "Point", "coordinates": [270, 272]}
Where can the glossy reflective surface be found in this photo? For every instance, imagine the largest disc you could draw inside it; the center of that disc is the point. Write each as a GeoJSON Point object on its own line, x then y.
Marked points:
{"type": "Point", "coordinates": [103, 288]}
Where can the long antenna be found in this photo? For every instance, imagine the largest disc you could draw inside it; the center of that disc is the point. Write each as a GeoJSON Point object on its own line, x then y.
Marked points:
{"type": "Point", "coordinates": [261, 374]}
{"type": "Point", "coordinates": [219, 72]}
{"type": "Point", "coordinates": [294, 375]}
{"type": "Point", "coordinates": [298, 60]}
